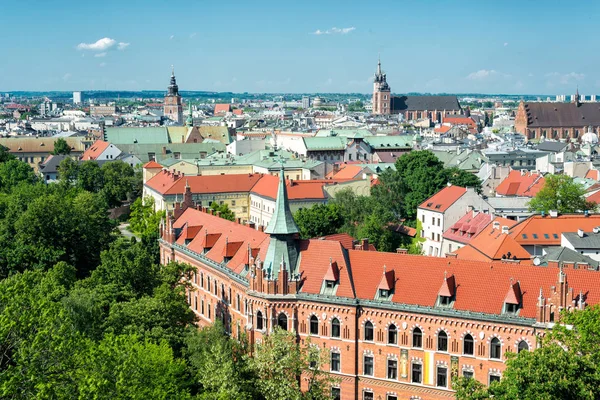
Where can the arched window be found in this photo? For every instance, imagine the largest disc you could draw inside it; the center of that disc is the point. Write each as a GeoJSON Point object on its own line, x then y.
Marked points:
{"type": "Point", "coordinates": [392, 334]}
{"type": "Point", "coordinates": [335, 328]}
{"type": "Point", "coordinates": [442, 341]}
{"type": "Point", "coordinates": [314, 325]}
{"type": "Point", "coordinates": [522, 346]}
{"type": "Point", "coordinates": [369, 330]}
{"type": "Point", "coordinates": [259, 321]}
{"type": "Point", "coordinates": [495, 349]}
{"type": "Point", "coordinates": [468, 345]}
{"type": "Point", "coordinates": [282, 321]}
{"type": "Point", "coordinates": [417, 338]}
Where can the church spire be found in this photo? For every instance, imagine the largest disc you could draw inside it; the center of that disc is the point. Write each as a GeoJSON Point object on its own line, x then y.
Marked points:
{"type": "Point", "coordinates": [173, 88]}
{"type": "Point", "coordinates": [282, 221]}
{"type": "Point", "coordinates": [379, 64]}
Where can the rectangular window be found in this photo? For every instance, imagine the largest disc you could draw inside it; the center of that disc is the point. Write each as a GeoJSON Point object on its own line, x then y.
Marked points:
{"type": "Point", "coordinates": [442, 377]}
{"type": "Point", "coordinates": [367, 395]}
{"type": "Point", "coordinates": [335, 362]}
{"type": "Point", "coordinates": [423, 218]}
{"type": "Point", "coordinates": [232, 203]}
{"type": "Point", "coordinates": [438, 221]}
{"type": "Point", "coordinates": [416, 373]}
{"type": "Point", "coordinates": [468, 374]}
{"type": "Point", "coordinates": [336, 393]}
{"type": "Point", "coordinates": [494, 378]}
{"type": "Point", "coordinates": [391, 397]}
{"type": "Point", "coordinates": [368, 366]}
{"type": "Point", "coordinates": [392, 369]}
{"type": "Point", "coordinates": [432, 220]}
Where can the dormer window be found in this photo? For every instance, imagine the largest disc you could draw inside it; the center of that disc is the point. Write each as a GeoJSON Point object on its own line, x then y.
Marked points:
{"type": "Point", "coordinates": [329, 284]}
{"type": "Point", "coordinates": [386, 285]}
{"type": "Point", "coordinates": [511, 308]}
{"type": "Point", "coordinates": [513, 299]}
{"type": "Point", "coordinates": [331, 279]}
{"type": "Point", "coordinates": [446, 294]}
{"type": "Point", "coordinates": [445, 300]}
{"type": "Point", "coordinates": [384, 293]}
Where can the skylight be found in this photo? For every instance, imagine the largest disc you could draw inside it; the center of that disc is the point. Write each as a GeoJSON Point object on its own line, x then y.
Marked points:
{"type": "Point", "coordinates": [535, 236]}
{"type": "Point", "coordinates": [524, 236]}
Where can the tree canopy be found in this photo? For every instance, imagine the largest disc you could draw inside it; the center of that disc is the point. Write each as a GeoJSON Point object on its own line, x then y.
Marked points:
{"type": "Point", "coordinates": [563, 194]}
{"type": "Point", "coordinates": [61, 147]}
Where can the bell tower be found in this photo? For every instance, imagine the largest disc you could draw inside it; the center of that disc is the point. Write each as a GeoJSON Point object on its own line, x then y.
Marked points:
{"type": "Point", "coordinates": [382, 94]}
{"type": "Point", "coordinates": [172, 107]}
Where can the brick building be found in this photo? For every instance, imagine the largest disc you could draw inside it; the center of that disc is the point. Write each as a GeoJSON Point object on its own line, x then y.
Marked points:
{"type": "Point", "coordinates": [172, 106]}
{"type": "Point", "coordinates": [396, 326]}
{"type": "Point", "coordinates": [436, 108]}
{"type": "Point", "coordinates": [557, 120]}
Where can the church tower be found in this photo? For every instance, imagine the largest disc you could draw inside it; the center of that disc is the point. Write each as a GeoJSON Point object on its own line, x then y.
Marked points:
{"type": "Point", "coordinates": [382, 94]}
{"type": "Point", "coordinates": [172, 107]}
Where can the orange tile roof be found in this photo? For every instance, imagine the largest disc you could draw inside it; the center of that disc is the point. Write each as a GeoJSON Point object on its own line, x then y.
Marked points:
{"type": "Point", "coordinates": [345, 240]}
{"type": "Point", "coordinates": [483, 287]}
{"type": "Point", "coordinates": [296, 190]}
{"type": "Point", "coordinates": [521, 184]}
{"type": "Point", "coordinates": [593, 174]}
{"type": "Point", "coordinates": [152, 165]}
{"type": "Point", "coordinates": [95, 150]}
{"type": "Point", "coordinates": [238, 111]}
{"type": "Point", "coordinates": [443, 199]}
{"type": "Point", "coordinates": [492, 244]}
{"type": "Point", "coordinates": [222, 108]}
{"type": "Point", "coordinates": [460, 121]}
{"type": "Point", "coordinates": [443, 129]}
{"type": "Point", "coordinates": [594, 198]}
{"type": "Point", "coordinates": [348, 172]}
{"type": "Point", "coordinates": [546, 231]}
{"type": "Point", "coordinates": [168, 183]}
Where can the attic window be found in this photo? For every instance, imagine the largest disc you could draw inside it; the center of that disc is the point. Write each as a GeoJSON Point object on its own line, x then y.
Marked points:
{"type": "Point", "coordinates": [512, 301]}
{"type": "Point", "coordinates": [555, 236]}
{"type": "Point", "coordinates": [428, 204]}
{"type": "Point", "coordinates": [535, 236]}
{"type": "Point", "coordinates": [524, 236]}
{"type": "Point", "coordinates": [546, 236]}
{"type": "Point", "coordinates": [329, 284]}
{"type": "Point", "coordinates": [445, 300]}
{"type": "Point", "coordinates": [438, 206]}
{"type": "Point", "coordinates": [447, 292]}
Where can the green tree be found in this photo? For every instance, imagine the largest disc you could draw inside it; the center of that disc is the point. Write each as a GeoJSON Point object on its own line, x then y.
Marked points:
{"type": "Point", "coordinates": [279, 362]}
{"type": "Point", "coordinates": [61, 147]}
{"type": "Point", "coordinates": [224, 210]}
{"type": "Point", "coordinates": [5, 154]}
{"type": "Point", "coordinates": [374, 229]}
{"type": "Point", "coordinates": [90, 176]}
{"type": "Point", "coordinates": [561, 193]}
{"type": "Point", "coordinates": [14, 172]}
{"type": "Point", "coordinates": [120, 183]}
{"type": "Point", "coordinates": [319, 220]}
{"type": "Point", "coordinates": [68, 172]}
{"type": "Point", "coordinates": [143, 219]}
{"type": "Point", "coordinates": [459, 177]}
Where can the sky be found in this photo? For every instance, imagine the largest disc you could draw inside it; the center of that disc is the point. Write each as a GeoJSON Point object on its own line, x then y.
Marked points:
{"type": "Point", "coordinates": [512, 47]}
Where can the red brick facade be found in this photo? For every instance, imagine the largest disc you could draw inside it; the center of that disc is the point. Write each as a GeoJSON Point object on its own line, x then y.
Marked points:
{"type": "Point", "coordinates": [231, 284]}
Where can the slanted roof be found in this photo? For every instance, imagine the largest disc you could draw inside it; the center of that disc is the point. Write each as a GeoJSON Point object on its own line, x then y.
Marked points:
{"type": "Point", "coordinates": [95, 150]}
{"type": "Point", "coordinates": [590, 240]}
{"type": "Point", "coordinates": [552, 146]}
{"type": "Point", "coordinates": [152, 165]}
{"type": "Point", "coordinates": [51, 164]}
{"type": "Point", "coordinates": [282, 222]}
{"type": "Point", "coordinates": [168, 183]}
{"type": "Point", "coordinates": [134, 135]}
{"type": "Point", "coordinates": [387, 280]}
{"type": "Point", "coordinates": [421, 103]}
{"type": "Point", "coordinates": [268, 187]}
{"type": "Point", "coordinates": [222, 108]}
{"type": "Point", "coordinates": [325, 143]}
{"type": "Point", "coordinates": [443, 199]}
{"type": "Point", "coordinates": [514, 294]}
{"type": "Point", "coordinates": [448, 286]}
{"type": "Point", "coordinates": [546, 231]}
{"type": "Point", "coordinates": [492, 244]}
{"type": "Point", "coordinates": [400, 142]}
{"type": "Point", "coordinates": [521, 184]}
{"type": "Point", "coordinates": [564, 254]}
{"type": "Point", "coordinates": [561, 115]}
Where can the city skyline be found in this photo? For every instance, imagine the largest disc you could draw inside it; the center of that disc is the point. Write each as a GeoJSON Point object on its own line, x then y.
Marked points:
{"type": "Point", "coordinates": [333, 47]}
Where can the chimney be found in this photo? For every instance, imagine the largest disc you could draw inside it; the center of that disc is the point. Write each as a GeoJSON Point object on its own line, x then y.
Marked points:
{"type": "Point", "coordinates": [401, 251]}
{"type": "Point", "coordinates": [364, 244]}
{"type": "Point", "coordinates": [261, 228]}
{"type": "Point", "coordinates": [451, 255]}
{"type": "Point", "coordinates": [212, 212]}
{"type": "Point", "coordinates": [164, 150]}
{"type": "Point", "coordinates": [596, 229]}
{"type": "Point", "coordinates": [238, 220]}
{"type": "Point", "coordinates": [496, 225]}
{"type": "Point", "coordinates": [580, 233]}
{"type": "Point", "coordinates": [553, 213]}
{"type": "Point", "coordinates": [523, 172]}
{"type": "Point", "coordinates": [505, 229]}
{"type": "Point", "coordinates": [252, 225]}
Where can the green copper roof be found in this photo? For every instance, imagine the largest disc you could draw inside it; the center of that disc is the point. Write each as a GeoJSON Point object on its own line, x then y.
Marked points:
{"type": "Point", "coordinates": [282, 221]}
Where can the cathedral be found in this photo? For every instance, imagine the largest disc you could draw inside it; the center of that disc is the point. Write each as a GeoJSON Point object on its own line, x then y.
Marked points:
{"type": "Point", "coordinates": [411, 107]}
{"type": "Point", "coordinates": [172, 107]}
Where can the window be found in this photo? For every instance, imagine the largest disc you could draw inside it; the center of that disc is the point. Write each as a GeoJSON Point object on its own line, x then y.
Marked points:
{"type": "Point", "coordinates": [282, 321]}
{"type": "Point", "coordinates": [259, 321]}
{"type": "Point", "coordinates": [546, 236]}
{"type": "Point", "coordinates": [495, 349]}
{"type": "Point", "coordinates": [535, 236]}
{"type": "Point", "coordinates": [432, 220]}
{"type": "Point", "coordinates": [511, 308]}
{"type": "Point", "coordinates": [468, 374]}
{"type": "Point", "coordinates": [232, 203]}
{"type": "Point", "coordinates": [468, 345]}
{"type": "Point", "coordinates": [314, 325]}
{"type": "Point", "coordinates": [392, 369]}
{"type": "Point", "coordinates": [442, 341]}
{"type": "Point", "coordinates": [368, 366]}
{"type": "Point", "coordinates": [522, 346]}
{"type": "Point", "coordinates": [423, 218]}
{"type": "Point", "coordinates": [417, 338]}
{"type": "Point", "coordinates": [445, 300]}
{"type": "Point", "coordinates": [335, 328]}
{"type": "Point", "coordinates": [367, 395]}
{"type": "Point", "coordinates": [177, 155]}
{"type": "Point", "coordinates": [392, 397]}
{"type": "Point", "coordinates": [335, 362]}
{"type": "Point", "coordinates": [392, 334]}
{"type": "Point", "coordinates": [369, 331]}
{"type": "Point", "coordinates": [494, 378]}
{"type": "Point", "coordinates": [442, 377]}
{"type": "Point", "coordinates": [336, 393]}
{"type": "Point", "coordinates": [416, 373]}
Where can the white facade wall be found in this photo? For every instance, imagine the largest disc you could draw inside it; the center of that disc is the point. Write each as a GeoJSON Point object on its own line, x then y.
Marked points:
{"type": "Point", "coordinates": [246, 146]}
{"type": "Point", "coordinates": [110, 153]}
{"type": "Point", "coordinates": [262, 208]}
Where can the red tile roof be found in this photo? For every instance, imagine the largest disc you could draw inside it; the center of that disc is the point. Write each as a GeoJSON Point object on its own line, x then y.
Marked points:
{"type": "Point", "coordinates": [345, 240]}
{"type": "Point", "coordinates": [443, 129]}
{"type": "Point", "coordinates": [95, 150]}
{"type": "Point", "coordinates": [152, 165]}
{"type": "Point", "coordinates": [594, 198]}
{"type": "Point", "coordinates": [521, 184]}
{"type": "Point", "coordinates": [166, 183]}
{"type": "Point", "coordinates": [593, 174]}
{"type": "Point", "coordinates": [460, 121]}
{"type": "Point", "coordinates": [222, 108]}
{"type": "Point", "coordinates": [238, 111]}
{"type": "Point", "coordinates": [296, 190]}
{"type": "Point", "coordinates": [492, 244]}
{"type": "Point", "coordinates": [348, 172]}
{"type": "Point", "coordinates": [479, 287]}
{"type": "Point", "coordinates": [546, 230]}
{"type": "Point", "coordinates": [469, 225]}
{"type": "Point", "coordinates": [443, 199]}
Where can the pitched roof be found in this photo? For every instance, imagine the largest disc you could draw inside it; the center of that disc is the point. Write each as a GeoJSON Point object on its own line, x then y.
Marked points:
{"type": "Point", "coordinates": [430, 103]}
{"type": "Point", "coordinates": [152, 165]}
{"type": "Point", "coordinates": [521, 184]}
{"type": "Point", "coordinates": [390, 142]}
{"type": "Point", "coordinates": [51, 164]}
{"type": "Point", "coordinates": [590, 240]}
{"type": "Point", "coordinates": [564, 254]}
{"type": "Point", "coordinates": [168, 183]}
{"type": "Point", "coordinates": [95, 150]}
{"type": "Point", "coordinates": [468, 226]}
{"type": "Point", "coordinates": [282, 222]}
{"type": "Point", "coordinates": [443, 199]}
{"type": "Point", "coordinates": [559, 115]}
{"type": "Point", "coordinates": [325, 143]}
{"type": "Point", "coordinates": [135, 135]}
{"type": "Point", "coordinates": [348, 171]}
{"type": "Point", "coordinates": [552, 146]}
{"type": "Point", "coordinates": [593, 174]}
{"type": "Point", "coordinates": [32, 144]}
{"type": "Point", "coordinates": [345, 240]}
{"type": "Point", "coordinates": [492, 244]}
{"type": "Point", "coordinates": [546, 231]}
{"type": "Point", "coordinates": [267, 186]}
{"type": "Point", "coordinates": [222, 108]}
{"type": "Point", "coordinates": [459, 120]}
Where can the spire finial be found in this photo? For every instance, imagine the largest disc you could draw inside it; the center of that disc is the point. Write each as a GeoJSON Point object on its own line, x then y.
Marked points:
{"type": "Point", "coordinates": [172, 70]}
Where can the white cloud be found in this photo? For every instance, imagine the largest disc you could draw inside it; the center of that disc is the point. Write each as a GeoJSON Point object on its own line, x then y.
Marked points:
{"type": "Point", "coordinates": [171, 37]}
{"type": "Point", "coordinates": [484, 74]}
{"type": "Point", "coordinates": [505, 44]}
{"type": "Point", "coordinates": [192, 35]}
{"type": "Point", "coordinates": [100, 54]}
{"type": "Point", "coordinates": [102, 64]}
{"type": "Point", "coordinates": [554, 78]}
{"type": "Point", "coordinates": [334, 30]}
{"type": "Point", "coordinates": [100, 45]}
{"type": "Point", "coordinates": [122, 46]}
{"type": "Point", "coordinates": [66, 76]}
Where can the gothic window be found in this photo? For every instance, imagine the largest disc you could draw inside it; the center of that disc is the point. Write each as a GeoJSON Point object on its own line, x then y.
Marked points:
{"type": "Point", "coordinates": [495, 349]}
{"type": "Point", "coordinates": [468, 345]}
{"type": "Point", "coordinates": [392, 334]}
{"type": "Point", "coordinates": [369, 331]}
{"type": "Point", "coordinates": [314, 325]}
{"type": "Point", "coordinates": [417, 338]}
{"type": "Point", "coordinates": [442, 341]}
{"type": "Point", "coordinates": [522, 346]}
{"type": "Point", "coordinates": [335, 328]}
{"type": "Point", "coordinates": [259, 321]}
{"type": "Point", "coordinates": [282, 321]}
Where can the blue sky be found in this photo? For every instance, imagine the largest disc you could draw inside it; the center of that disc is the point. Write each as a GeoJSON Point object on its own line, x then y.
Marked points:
{"type": "Point", "coordinates": [513, 47]}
